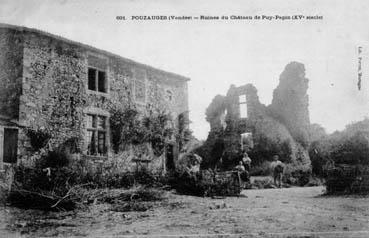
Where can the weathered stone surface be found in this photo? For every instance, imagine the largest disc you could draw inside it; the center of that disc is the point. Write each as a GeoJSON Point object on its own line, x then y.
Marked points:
{"type": "Point", "coordinates": [280, 128]}
{"type": "Point", "coordinates": [44, 84]}
{"type": "Point", "coordinates": [11, 55]}
{"type": "Point", "coordinates": [290, 101]}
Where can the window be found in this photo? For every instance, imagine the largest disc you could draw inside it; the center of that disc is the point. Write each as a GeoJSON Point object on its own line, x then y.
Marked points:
{"type": "Point", "coordinates": [223, 119]}
{"type": "Point", "coordinates": [97, 80]}
{"type": "Point", "coordinates": [168, 95]}
{"type": "Point", "coordinates": [96, 135]}
{"type": "Point", "coordinates": [10, 148]}
{"type": "Point", "coordinates": [243, 106]}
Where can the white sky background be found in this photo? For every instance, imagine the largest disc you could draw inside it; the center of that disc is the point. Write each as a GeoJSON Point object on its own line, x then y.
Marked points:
{"type": "Point", "coordinates": [216, 54]}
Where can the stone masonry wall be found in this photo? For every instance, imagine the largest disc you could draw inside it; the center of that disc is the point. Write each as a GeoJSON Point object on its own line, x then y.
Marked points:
{"type": "Point", "coordinates": [56, 96]}
{"type": "Point", "coordinates": [279, 128]}
{"type": "Point", "coordinates": [290, 101]}
{"type": "Point", "coordinates": [11, 54]}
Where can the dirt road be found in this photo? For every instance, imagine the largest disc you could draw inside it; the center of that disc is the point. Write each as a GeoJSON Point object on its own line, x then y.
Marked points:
{"type": "Point", "coordinates": [290, 212]}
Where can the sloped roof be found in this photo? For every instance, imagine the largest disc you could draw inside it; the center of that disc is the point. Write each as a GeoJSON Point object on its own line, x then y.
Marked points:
{"type": "Point", "coordinates": [60, 38]}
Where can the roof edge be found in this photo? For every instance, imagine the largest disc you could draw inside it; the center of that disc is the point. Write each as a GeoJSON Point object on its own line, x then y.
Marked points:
{"type": "Point", "coordinates": [61, 38]}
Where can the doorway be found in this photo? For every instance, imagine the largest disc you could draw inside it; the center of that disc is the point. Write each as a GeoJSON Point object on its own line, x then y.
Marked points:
{"type": "Point", "coordinates": [169, 157]}
{"type": "Point", "coordinates": [10, 145]}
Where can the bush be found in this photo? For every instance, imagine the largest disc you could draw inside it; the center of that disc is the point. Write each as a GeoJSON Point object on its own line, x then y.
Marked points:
{"type": "Point", "coordinates": [55, 180]}
{"type": "Point", "coordinates": [299, 175]}
{"type": "Point", "coordinates": [38, 138]}
{"type": "Point", "coordinates": [350, 146]}
{"type": "Point", "coordinates": [129, 128]}
{"type": "Point", "coordinates": [271, 138]}
{"type": "Point", "coordinates": [263, 169]}
{"type": "Point", "coordinates": [207, 183]}
{"type": "Point", "coordinates": [263, 183]}
{"type": "Point", "coordinates": [54, 159]}
{"type": "Point", "coordinates": [341, 178]}
{"type": "Point", "coordinates": [32, 188]}
{"type": "Point", "coordinates": [319, 154]}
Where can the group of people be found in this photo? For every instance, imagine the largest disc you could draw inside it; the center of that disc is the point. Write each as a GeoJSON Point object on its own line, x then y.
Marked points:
{"type": "Point", "coordinates": [277, 167]}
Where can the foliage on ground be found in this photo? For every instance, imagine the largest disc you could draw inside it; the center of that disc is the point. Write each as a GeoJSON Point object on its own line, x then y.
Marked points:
{"type": "Point", "coordinates": [57, 184]}
{"type": "Point", "coordinates": [206, 183]}
{"type": "Point", "coordinates": [332, 156]}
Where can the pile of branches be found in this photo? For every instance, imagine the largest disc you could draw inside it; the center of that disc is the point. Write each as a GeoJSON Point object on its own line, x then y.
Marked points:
{"type": "Point", "coordinates": [139, 198]}
{"type": "Point", "coordinates": [55, 183]}
{"type": "Point", "coordinates": [45, 189]}
{"type": "Point", "coordinates": [207, 183]}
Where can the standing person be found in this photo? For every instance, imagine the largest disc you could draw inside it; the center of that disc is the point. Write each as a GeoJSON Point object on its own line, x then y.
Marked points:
{"type": "Point", "coordinates": [219, 164]}
{"type": "Point", "coordinates": [246, 161]}
{"type": "Point", "coordinates": [277, 167]}
{"type": "Point", "coordinates": [240, 167]}
{"type": "Point", "coordinates": [243, 174]}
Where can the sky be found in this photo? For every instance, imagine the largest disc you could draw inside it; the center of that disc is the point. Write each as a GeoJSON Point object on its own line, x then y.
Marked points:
{"type": "Point", "coordinates": [218, 53]}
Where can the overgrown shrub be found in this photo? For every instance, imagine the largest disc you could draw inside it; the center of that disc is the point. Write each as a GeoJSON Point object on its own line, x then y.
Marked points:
{"type": "Point", "coordinates": [206, 183]}
{"type": "Point", "coordinates": [125, 127]}
{"type": "Point", "coordinates": [116, 179]}
{"type": "Point", "coordinates": [157, 128]}
{"type": "Point", "coordinates": [263, 169]}
{"type": "Point", "coordinates": [332, 155]}
{"type": "Point", "coordinates": [129, 128]}
{"type": "Point", "coordinates": [319, 153]}
{"type": "Point", "coordinates": [212, 149]}
{"type": "Point", "coordinates": [38, 137]}
{"type": "Point", "coordinates": [54, 159]}
{"type": "Point", "coordinates": [55, 180]}
{"type": "Point", "coordinates": [296, 174]}
{"type": "Point", "coordinates": [341, 179]}
{"type": "Point", "coordinates": [34, 188]}
{"type": "Point", "coordinates": [350, 146]}
{"type": "Point", "coordinates": [352, 150]}
{"type": "Point", "coordinates": [266, 148]}
{"type": "Point", "coordinates": [183, 133]}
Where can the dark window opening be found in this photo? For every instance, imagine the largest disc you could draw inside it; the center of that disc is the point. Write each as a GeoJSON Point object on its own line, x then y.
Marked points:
{"type": "Point", "coordinates": [96, 135]}
{"type": "Point", "coordinates": [101, 143]}
{"type": "Point", "coordinates": [10, 145]}
{"type": "Point", "coordinates": [97, 80]}
{"type": "Point", "coordinates": [102, 82]}
{"type": "Point", "coordinates": [92, 79]}
{"type": "Point", "coordinates": [91, 138]}
{"type": "Point", "coordinates": [170, 157]}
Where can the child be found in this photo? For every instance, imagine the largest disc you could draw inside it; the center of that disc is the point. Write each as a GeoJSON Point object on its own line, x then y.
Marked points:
{"type": "Point", "coordinates": [277, 167]}
{"type": "Point", "coordinates": [246, 162]}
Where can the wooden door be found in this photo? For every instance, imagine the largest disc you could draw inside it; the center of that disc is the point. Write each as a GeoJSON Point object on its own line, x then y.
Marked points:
{"type": "Point", "coordinates": [10, 145]}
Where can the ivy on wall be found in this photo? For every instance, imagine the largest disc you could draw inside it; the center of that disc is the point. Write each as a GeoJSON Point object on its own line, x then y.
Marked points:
{"type": "Point", "coordinates": [128, 127]}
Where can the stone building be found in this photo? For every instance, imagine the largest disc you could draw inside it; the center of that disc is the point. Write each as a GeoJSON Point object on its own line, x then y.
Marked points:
{"type": "Point", "coordinates": [239, 122]}
{"type": "Point", "coordinates": [66, 87]}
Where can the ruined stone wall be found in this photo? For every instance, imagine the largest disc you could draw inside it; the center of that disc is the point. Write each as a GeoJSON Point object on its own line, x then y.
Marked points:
{"type": "Point", "coordinates": [290, 101]}
{"type": "Point", "coordinates": [277, 129]}
{"type": "Point", "coordinates": [215, 113]}
{"type": "Point", "coordinates": [56, 95]}
{"type": "Point", "coordinates": [11, 54]}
